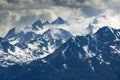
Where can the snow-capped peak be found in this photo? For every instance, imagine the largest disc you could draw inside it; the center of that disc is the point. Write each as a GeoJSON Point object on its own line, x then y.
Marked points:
{"type": "Point", "coordinates": [14, 35]}
{"type": "Point", "coordinates": [56, 37]}
{"type": "Point", "coordinates": [46, 23]}
{"type": "Point", "coordinates": [107, 34]}
{"type": "Point", "coordinates": [56, 33]}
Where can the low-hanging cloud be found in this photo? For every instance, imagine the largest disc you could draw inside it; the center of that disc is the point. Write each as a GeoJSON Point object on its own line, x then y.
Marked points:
{"type": "Point", "coordinates": [21, 13]}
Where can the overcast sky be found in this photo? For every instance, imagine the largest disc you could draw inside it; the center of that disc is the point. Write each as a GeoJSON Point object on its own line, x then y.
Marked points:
{"type": "Point", "coordinates": [19, 13]}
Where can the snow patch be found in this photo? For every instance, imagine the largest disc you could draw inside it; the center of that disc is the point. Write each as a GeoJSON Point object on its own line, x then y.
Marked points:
{"type": "Point", "coordinates": [88, 54]}
{"type": "Point", "coordinates": [65, 66]}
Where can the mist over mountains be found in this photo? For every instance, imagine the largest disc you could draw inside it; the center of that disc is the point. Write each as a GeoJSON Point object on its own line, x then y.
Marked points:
{"type": "Point", "coordinates": [59, 40]}
{"type": "Point", "coordinates": [22, 13]}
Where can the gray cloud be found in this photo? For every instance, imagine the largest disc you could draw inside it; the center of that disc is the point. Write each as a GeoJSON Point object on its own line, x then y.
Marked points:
{"type": "Point", "coordinates": [24, 4]}
{"type": "Point", "coordinates": [21, 13]}
{"type": "Point", "coordinates": [89, 7]}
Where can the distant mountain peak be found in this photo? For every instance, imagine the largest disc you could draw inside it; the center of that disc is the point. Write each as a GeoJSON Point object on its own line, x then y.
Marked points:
{"type": "Point", "coordinates": [14, 35]}
{"type": "Point", "coordinates": [11, 31]}
{"type": "Point", "coordinates": [56, 36]}
{"type": "Point", "coordinates": [58, 21]}
{"type": "Point", "coordinates": [59, 18]}
{"type": "Point", "coordinates": [107, 34]}
{"type": "Point", "coordinates": [46, 23]}
{"type": "Point", "coordinates": [37, 25]}
{"type": "Point", "coordinates": [104, 29]}
{"type": "Point", "coordinates": [97, 23]}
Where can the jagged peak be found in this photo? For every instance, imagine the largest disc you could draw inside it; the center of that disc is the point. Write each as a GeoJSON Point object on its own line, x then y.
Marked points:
{"type": "Point", "coordinates": [105, 29]}
{"type": "Point", "coordinates": [46, 23]}
{"type": "Point", "coordinates": [13, 32]}
{"type": "Point", "coordinates": [58, 20]}
{"type": "Point", "coordinates": [37, 24]}
{"type": "Point", "coordinates": [106, 34]}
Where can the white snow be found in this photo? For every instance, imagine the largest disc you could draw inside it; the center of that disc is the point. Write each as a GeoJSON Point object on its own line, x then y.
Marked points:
{"type": "Point", "coordinates": [44, 60]}
{"type": "Point", "coordinates": [88, 53]}
{"type": "Point", "coordinates": [107, 62]}
{"type": "Point", "coordinates": [115, 49]}
{"type": "Point", "coordinates": [91, 65]}
{"type": "Point", "coordinates": [65, 66]}
{"type": "Point", "coordinates": [14, 41]}
{"type": "Point", "coordinates": [63, 52]}
{"type": "Point", "coordinates": [33, 46]}
{"type": "Point", "coordinates": [100, 58]}
{"type": "Point", "coordinates": [80, 55]}
{"type": "Point", "coordinates": [51, 48]}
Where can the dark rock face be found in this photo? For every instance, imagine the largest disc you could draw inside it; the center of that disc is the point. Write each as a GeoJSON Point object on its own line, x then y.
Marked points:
{"type": "Point", "coordinates": [13, 34]}
{"type": "Point", "coordinates": [36, 25]}
{"type": "Point", "coordinates": [5, 45]}
{"type": "Point", "coordinates": [58, 21]}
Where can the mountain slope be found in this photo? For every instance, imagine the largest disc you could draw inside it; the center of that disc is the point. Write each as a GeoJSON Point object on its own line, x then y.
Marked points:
{"type": "Point", "coordinates": [28, 45]}
{"type": "Point", "coordinates": [55, 37]}
{"type": "Point", "coordinates": [4, 45]}
{"type": "Point", "coordinates": [92, 57]}
{"type": "Point", "coordinates": [47, 43]}
{"type": "Point", "coordinates": [14, 35]}
{"type": "Point", "coordinates": [11, 55]}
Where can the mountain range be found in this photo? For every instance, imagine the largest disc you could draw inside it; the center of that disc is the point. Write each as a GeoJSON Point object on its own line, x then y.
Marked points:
{"type": "Point", "coordinates": [37, 53]}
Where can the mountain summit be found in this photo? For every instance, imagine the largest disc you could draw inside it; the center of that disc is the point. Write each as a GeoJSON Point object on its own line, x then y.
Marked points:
{"type": "Point", "coordinates": [58, 21]}
{"type": "Point", "coordinates": [37, 25]}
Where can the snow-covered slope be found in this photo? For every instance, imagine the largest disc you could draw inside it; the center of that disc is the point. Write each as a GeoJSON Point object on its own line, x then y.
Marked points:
{"type": "Point", "coordinates": [14, 35]}
{"type": "Point", "coordinates": [47, 43]}
{"type": "Point", "coordinates": [11, 55]}
{"type": "Point", "coordinates": [30, 44]}
{"type": "Point", "coordinates": [55, 37]}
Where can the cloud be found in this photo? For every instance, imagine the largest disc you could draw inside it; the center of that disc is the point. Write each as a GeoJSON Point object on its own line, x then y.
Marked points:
{"type": "Point", "coordinates": [24, 4]}
{"type": "Point", "coordinates": [21, 13]}
{"type": "Point", "coordinates": [108, 20]}
{"type": "Point", "coordinates": [89, 7]}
